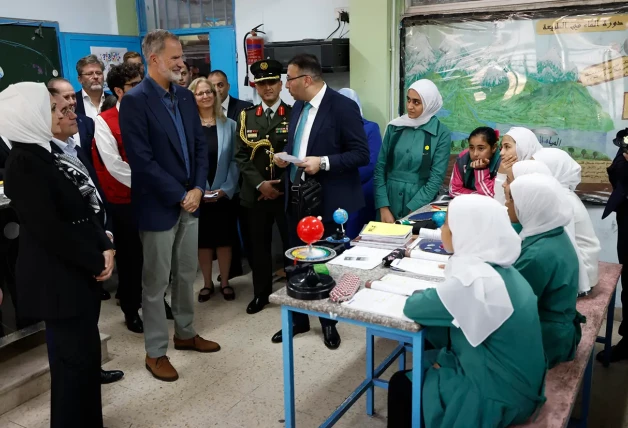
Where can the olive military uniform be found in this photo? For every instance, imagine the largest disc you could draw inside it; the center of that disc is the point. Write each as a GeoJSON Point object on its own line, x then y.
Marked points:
{"type": "Point", "coordinates": [262, 131]}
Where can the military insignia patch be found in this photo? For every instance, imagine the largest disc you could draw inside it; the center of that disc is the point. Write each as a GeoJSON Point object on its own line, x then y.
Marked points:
{"type": "Point", "coordinates": [264, 66]}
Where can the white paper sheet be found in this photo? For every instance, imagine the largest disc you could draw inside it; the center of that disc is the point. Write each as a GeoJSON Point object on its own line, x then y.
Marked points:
{"type": "Point", "coordinates": [417, 253]}
{"type": "Point", "coordinates": [379, 302]}
{"type": "Point", "coordinates": [401, 285]}
{"type": "Point", "coordinates": [364, 258]}
{"type": "Point", "coordinates": [420, 267]}
{"type": "Point", "coordinates": [288, 158]}
{"type": "Point", "coordinates": [430, 234]}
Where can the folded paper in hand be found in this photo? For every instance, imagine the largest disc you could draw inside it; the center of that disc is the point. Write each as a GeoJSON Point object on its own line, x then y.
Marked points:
{"type": "Point", "coordinates": [288, 158]}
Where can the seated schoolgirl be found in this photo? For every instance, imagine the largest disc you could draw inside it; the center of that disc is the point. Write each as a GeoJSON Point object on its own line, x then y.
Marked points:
{"type": "Point", "coordinates": [518, 144]}
{"type": "Point", "coordinates": [548, 260]}
{"type": "Point", "coordinates": [490, 372]}
{"type": "Point", "coordinates": [476, 167]}
{"type": "Point", "coordinates": [567, 172]}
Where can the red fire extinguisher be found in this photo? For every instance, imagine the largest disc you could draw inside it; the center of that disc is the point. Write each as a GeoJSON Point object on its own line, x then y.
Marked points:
{"type": "Point", "coordinates": [253, 50]}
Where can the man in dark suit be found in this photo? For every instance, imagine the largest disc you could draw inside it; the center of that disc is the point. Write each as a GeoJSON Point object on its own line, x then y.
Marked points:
{"type": "Point", "coordinates": [91, 76]}
{"type": "Point", "coordinates": [63, 142]}
{"type": "Point", "coordinates": [169, 159]}
{"type": "Point", "coordinates": [326, 131]}
{"type": "Point", "coordinates": [617, 202]}
{"type": "Point", "coordinates": [231, 106]}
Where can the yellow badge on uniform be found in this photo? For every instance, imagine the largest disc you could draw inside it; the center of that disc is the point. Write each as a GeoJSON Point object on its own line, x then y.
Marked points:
{"type": "Point", "coordinates": [263, 66]}
{"type": "Point", "coordinates": [427, 148]}
{"type": "Point", "coordinates": [251, 133]}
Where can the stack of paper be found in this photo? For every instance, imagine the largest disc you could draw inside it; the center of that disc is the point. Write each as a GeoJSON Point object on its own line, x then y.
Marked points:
{"type": "Point", "coordinates": [379, 302]}
{"type": "Point", "coordinates": [401, 285]}
{"type": "Point", "coordinates": [384, 235]}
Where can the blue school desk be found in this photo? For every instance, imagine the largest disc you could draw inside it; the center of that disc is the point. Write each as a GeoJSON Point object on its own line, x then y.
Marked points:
{"type": "Point", "coordinates": [409, 336]}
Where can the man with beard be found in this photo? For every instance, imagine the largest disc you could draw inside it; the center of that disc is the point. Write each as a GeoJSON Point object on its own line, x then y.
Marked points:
{"type": "Point", "coordinates": [166, 149]}
{"type": "Point", "coordinates": [91, 76]}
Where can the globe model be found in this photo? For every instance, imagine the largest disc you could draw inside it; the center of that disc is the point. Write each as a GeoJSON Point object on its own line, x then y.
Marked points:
{"type": "Point", "coordinates": [340, 216]}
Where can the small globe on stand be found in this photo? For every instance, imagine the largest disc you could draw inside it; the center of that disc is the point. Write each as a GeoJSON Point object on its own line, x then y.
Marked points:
{"type": "Point", "coordinates": [439, 218]}
{"type": "Point", "coordinates": [340, 217]}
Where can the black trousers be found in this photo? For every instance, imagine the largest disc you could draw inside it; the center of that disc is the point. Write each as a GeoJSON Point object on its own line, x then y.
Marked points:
{"type": "Point", "coordinates": [302, 320]}
{"type": "Point", "coordinates": [622, 255]}
{"type": "Point", "coordinates": [129, 257]}
{"type": "Point", "coordinates": [261, 218]}
{"type": "Point", "coordinates": [400, 401]}
{"type": "Point", "coordinates": [237, 251]}
{"type": "Point", "coordinates": [74, 356]}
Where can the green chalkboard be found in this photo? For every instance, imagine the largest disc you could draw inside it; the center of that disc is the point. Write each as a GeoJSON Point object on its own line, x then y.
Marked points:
{"type": "Point", "coordinates": [28, 53]}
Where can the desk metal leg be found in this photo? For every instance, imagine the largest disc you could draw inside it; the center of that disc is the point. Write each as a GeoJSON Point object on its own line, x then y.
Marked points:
{"type": "Point", "coordinates": [586, 393]}
{"type": "Point", "coordinates": [288, 367]}
{"type": "Point", "coordinates": [417, 378]}
{"type": "Point", "coordinates": [402, 358]}
{"type": "Point", "coordinates": [610, 318]}
{"type": "Point", "coordinates": [370, 369]}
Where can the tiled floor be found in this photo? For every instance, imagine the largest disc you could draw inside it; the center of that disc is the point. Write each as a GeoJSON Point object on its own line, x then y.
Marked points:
{"type": "Point", "coordinates": [241, 386]}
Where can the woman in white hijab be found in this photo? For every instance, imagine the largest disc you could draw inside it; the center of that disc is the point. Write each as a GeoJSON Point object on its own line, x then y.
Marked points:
{"type": "Point", "coordinates": [533, 166]}
{"type": "Point", "coordinates": [567, 172]}
{"type": "Point", "coordinates": [491, 373]}
{"type": "Point", "coordinates": [60, 233]}
{"type": "Point", "coordinates": [548, 260]}
{"type": "Point", "coordinates": [518, 144]}
{"type": "Point", "coordinates": [415, 153]}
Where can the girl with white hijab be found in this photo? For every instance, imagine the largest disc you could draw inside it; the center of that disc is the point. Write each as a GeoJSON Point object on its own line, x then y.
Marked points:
{"type": "Point", "coordinates": [490, 367]}
{"type": "Point", "coordinates": [567, 172]}
{"type": "Point", "coordinates": [533, 166]}
{"type": "Point", "coordinates": [518, 144]}
{"type": "Point", "coordinates": [415, 153]}
{"type": "Point", "coordinates": [548, 260]}
{"type": "Point", "coordinates": [61, 237]}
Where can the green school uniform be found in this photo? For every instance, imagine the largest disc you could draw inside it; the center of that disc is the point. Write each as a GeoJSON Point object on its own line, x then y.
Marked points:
{"type": "Point", "coordinates": [549, 263]}
{"type": "Point", "coordinates": [399, 180]}
{"type": "Point", "coordinates": [517, 226]}
{"type": "Point", "coordinates": [498, 383]}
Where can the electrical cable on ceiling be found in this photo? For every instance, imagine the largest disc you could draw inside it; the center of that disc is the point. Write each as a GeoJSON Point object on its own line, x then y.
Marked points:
{"type": "Point", "coordinates": [333, 32]}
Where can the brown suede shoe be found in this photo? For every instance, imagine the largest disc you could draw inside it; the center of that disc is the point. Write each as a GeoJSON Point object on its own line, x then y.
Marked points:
{"type": "Point", "coordinates": [197, 343]}
{"type": "Point", "coordinates": [161, 369]}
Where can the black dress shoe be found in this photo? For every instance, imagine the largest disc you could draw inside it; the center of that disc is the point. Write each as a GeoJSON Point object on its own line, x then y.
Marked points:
{"type": "Point", "coordinates": [104, 294]}
{"type": "Point", "coordinates": [331, 337]}
{"type": "Point", "coordinates": [134, 323]}
{"type": "Point", "coordinates": [619, 352]}
{"type": "Point", "coordinates": [256, 305]}
{"type": "Point", "coordinates": [168, 311]}
{"type": "Point", "coordinates": [278, 337]}
{"type": "Point", "coordinates": [110, 376]}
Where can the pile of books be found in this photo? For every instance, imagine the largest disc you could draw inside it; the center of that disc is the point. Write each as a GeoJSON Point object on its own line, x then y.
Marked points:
{"type": "Point", "coordinates": [384, 235]}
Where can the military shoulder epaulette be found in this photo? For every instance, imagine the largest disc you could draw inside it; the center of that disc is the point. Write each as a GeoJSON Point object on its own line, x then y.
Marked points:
{"type": "Point", "coordinates": [250, 107]}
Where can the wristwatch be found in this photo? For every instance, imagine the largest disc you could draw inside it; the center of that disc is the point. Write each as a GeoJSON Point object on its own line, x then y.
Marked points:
{"type": "Point", "coordinates": [324, 163]}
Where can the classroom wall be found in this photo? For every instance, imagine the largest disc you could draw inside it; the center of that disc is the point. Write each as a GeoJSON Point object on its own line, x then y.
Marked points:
{"type": "Point", "coordinates": [73, 16]}
{"type": "Point", "coordinates": [286, 20]}
{"type": "Point", "coordinates": [126, 13]}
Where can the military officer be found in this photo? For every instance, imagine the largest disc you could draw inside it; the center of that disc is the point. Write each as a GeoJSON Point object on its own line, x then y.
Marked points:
{"type": "Point", "coordinates": [263, 131]}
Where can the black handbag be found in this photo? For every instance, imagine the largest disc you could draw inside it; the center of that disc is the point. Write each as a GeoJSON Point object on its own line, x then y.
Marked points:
{"type": "Point", "coordinates": [306, 196]}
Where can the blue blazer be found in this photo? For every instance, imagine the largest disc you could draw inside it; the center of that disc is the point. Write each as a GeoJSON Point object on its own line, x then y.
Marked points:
{"type": "Point", "coordinates": [359, 219]}
{"type": "Point", "coordinates": [338, 133]}
{"type": "Point", "coordinates": [160, 179]}
{"type": "Point", "coordinates": [86, 128]}
{"type": "Point", "coordinates": [227, 172]}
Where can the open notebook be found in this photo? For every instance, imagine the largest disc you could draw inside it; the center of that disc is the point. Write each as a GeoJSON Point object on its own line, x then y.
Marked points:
{"type": "Point", "coordinates": [401, 285]}
{"type": "Point", "coordinates": [379, 302]}
{"type": "Point", "coordinates": [419, 267]}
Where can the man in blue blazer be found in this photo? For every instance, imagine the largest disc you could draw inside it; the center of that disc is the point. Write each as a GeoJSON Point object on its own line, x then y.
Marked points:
{"type": "Point", "coordinates": [327, 132]}
{"type": "Point", "coordinates": [168, 155]}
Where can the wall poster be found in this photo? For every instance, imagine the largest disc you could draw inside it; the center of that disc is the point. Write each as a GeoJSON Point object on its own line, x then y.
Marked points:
{"type": "Point", "coordinates": [109, 56]}
{"type": "Point", "coordinates": [563, 76]}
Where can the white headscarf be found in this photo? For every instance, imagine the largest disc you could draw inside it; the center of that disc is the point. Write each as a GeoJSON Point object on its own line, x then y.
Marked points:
{"type": "Point", "coordinates": [562, 167]}
{"type": "Point", "coordinates": [351, 94]}
{"type": "Point", "coordinates": [542, 204]}
{"type": "Point", "coordinates": [25, 115]}
{"type": "Point", "coordinates": [529, 167]}
{"type": "Point", "coordinates": [526, 142]}
{"type": "Point", "coordinates": [432, 103]}
{"type": "Point", "coordinates": [473, 292]}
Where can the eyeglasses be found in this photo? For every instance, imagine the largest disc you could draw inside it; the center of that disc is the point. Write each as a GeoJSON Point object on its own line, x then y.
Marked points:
{"type": "Point", "coordinates": [204, 93]}
{"type": "Point", "coordinates": [290, 79]}
{"type": "Point", "coordinates": [132, 84]}
{"type": "Point", "coordinates": [92, 74]}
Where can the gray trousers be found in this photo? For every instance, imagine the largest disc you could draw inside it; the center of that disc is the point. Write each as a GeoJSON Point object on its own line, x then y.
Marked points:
{"type": "Point", "coordinates": [177, 250]}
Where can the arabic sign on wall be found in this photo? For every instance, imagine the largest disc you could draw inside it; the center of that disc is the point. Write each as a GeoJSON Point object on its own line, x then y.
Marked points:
{"type": "Point", "coordinates": [563, 77]}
